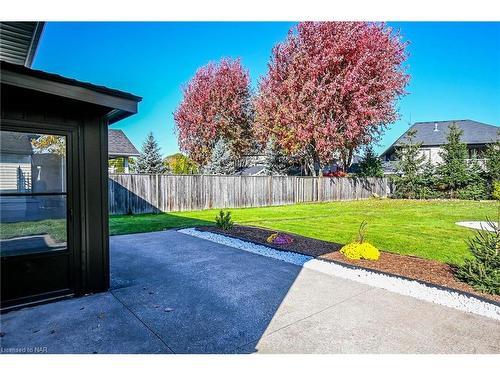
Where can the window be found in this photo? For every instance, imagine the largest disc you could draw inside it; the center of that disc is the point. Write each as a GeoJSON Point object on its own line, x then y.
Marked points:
{"type": "Point", "coordinates": [33, 194]}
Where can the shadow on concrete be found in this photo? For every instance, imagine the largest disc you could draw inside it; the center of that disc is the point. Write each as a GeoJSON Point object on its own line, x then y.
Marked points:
{"type": "Point", "coordinates": [198, 296]}
{"type": "Point", "coordinates": [170, 293]}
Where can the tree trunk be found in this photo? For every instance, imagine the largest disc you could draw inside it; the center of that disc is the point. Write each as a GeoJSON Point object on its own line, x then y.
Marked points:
{"type": "Point", "coordinates": [312, 170]}
{"type": "Point", "coordinates": [346, 158]}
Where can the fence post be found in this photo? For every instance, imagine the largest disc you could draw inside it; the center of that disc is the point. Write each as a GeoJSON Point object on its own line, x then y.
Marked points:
{"type": "Point", "coordinates": [129, 206]}
{"type": "Point", "coordinates": [320, 187]}
{"type": "Point", "coordinates": [157, 194]}
{"type": "Point", "coordinates": [270, 191]}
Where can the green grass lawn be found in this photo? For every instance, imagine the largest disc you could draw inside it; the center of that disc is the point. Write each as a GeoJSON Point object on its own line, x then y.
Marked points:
{"type": "Point", "coordinates": [422, 228]}
{"type": "Point", "coordinates": [56, 228]}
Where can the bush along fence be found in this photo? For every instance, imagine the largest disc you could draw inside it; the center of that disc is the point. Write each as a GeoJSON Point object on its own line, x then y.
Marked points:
{"type": "Point", "coordinates": [139, 193]}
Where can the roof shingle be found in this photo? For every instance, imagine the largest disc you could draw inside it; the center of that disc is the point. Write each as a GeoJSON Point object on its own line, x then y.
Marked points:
{"type": "Point", "coordinates": [434, 133]}
{"type": "Point", "coordinates": [119, 144]}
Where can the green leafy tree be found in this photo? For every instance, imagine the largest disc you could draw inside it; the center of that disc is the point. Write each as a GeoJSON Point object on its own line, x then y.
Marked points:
{"type": "Point", "coordinates": [150, 160]}
{"type": "Point", "coordinates": [221, 161]}
{"type": "Point", "coordinates": [276, 161]}
{"type": "Point", "coordinates": [118, 165]}
{"type": "Point", "coordinates": [454, 170]}
{"type": "Point", "coordinates": [180, 164]}
{"type": "Point", "coordinates": [370, 165]}
{"type": "Point", "coordinates": [52, 144]}
{"type": "Point", "coordinates": [410, 161]}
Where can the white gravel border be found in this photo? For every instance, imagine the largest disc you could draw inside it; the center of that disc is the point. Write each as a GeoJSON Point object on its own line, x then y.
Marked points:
{"type": "Point", "coordinates": [394, 284]}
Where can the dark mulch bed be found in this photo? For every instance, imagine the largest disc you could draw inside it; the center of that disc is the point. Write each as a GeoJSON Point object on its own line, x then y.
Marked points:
{"type": "Point", "coordinates": [426, 270]}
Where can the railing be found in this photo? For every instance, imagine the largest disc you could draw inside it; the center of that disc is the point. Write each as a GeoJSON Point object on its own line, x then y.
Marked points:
{"type": "Point", "coordinates": [480, 162]}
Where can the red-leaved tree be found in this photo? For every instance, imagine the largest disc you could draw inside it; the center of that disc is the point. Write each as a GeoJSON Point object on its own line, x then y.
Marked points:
{"type": "Point", "coordinates": [330, 88]}
{"type": "Point", "coordinates": [216, 105]}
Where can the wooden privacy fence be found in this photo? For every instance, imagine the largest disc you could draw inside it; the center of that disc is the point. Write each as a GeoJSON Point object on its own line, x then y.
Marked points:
{"type": "Point", "coordinates": [134, 193]}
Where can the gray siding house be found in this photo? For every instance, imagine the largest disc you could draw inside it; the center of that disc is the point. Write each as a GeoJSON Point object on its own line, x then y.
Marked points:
{"type": "Point", "coordinates": [476, 135]}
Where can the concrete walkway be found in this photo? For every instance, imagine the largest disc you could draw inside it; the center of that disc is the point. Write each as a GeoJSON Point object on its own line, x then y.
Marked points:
{"type": "Point", "coordinates": [176, 293]}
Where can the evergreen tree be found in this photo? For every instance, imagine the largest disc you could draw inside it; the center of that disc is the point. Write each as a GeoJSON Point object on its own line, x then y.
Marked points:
{"type": "Point", "coordinates": [370, 165]}
{"type": "Point", "coordinates": [454, 171]}
{"type": "Point", "coordinates": [475, 187]}
{"type": "Point", "coordinates": [410, 161]}
{"type": "Point", "coordinates": [493, 160]}
{"type": "Point", "coordinates": [428, 182]}
{"type": "Point", "coordinates": [150, 160]}
{"type": "Point", "coordinates": [221, 162]}
{"type": "Point", "coordinates": [482, 271]}
{"type": "Point", "coordinates": [276, 161]}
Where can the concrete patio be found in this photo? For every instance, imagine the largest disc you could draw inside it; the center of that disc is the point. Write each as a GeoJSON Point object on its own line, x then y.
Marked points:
{"type": "Point", "coordinates": [172, 293]}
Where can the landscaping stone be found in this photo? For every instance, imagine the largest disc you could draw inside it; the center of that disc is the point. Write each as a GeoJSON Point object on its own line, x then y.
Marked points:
{"type": "Point", "coordinates": [394, 284]}
{"type": "Point", "coordinates": [412, 267]}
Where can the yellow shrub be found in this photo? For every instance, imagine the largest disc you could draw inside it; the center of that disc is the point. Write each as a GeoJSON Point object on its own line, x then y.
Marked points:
{"type": "Point", "coordinates": [360, 250]}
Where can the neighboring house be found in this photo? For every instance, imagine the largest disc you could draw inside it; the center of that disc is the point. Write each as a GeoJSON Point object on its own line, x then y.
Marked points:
{"type": "Point", "coordinates": [22, 169]}
{"type": "Point", "coordinates": [61, 178]}
{"type": "Point", "coordinates": [252, 165]}
{"type": "Point", "coordinates": [15, 162]}
{"type": "Point", "coordinates": [476, 135]}
{"type": "Point", "coordinates": [120, 147]}
{"type": "Point", "coordinates": [254, 170]}
{"type": "Point", "coordinates": [336, 165]}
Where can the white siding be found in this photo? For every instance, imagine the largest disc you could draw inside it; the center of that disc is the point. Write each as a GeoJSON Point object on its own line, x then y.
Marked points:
{"type": "Point", "coordinates": [15, 172]}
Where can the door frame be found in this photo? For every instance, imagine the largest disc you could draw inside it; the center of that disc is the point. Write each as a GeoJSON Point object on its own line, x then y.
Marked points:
{"type": "Point", "coordinates": [73, 210]}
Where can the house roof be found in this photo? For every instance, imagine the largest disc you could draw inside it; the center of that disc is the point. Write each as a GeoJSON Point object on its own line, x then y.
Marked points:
{"type": "Point", "coordinates": [434, 133]}
{"type": "Point", "coordinates": [19, 41]}
{"type": "Point", "coordinates": [121, 104]}
{"type": "Point", "coordinates": [71, 81]}
{"type": "Point", "coordinates": [20, 143]}
{"type": "Point", "coordinates": [252, 171]}
{"type": "Point", "coordinates": [119, 144]}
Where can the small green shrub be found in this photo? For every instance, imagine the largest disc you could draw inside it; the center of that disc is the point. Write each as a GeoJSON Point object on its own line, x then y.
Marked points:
{"type": "Point", "coordinates": [223, 220]}
{"type": "Point", "coordinates": [482, 272]}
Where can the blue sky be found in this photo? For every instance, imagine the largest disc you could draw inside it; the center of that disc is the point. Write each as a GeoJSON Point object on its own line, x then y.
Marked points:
{"type": "Point", "coordinates": [455, 67]}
